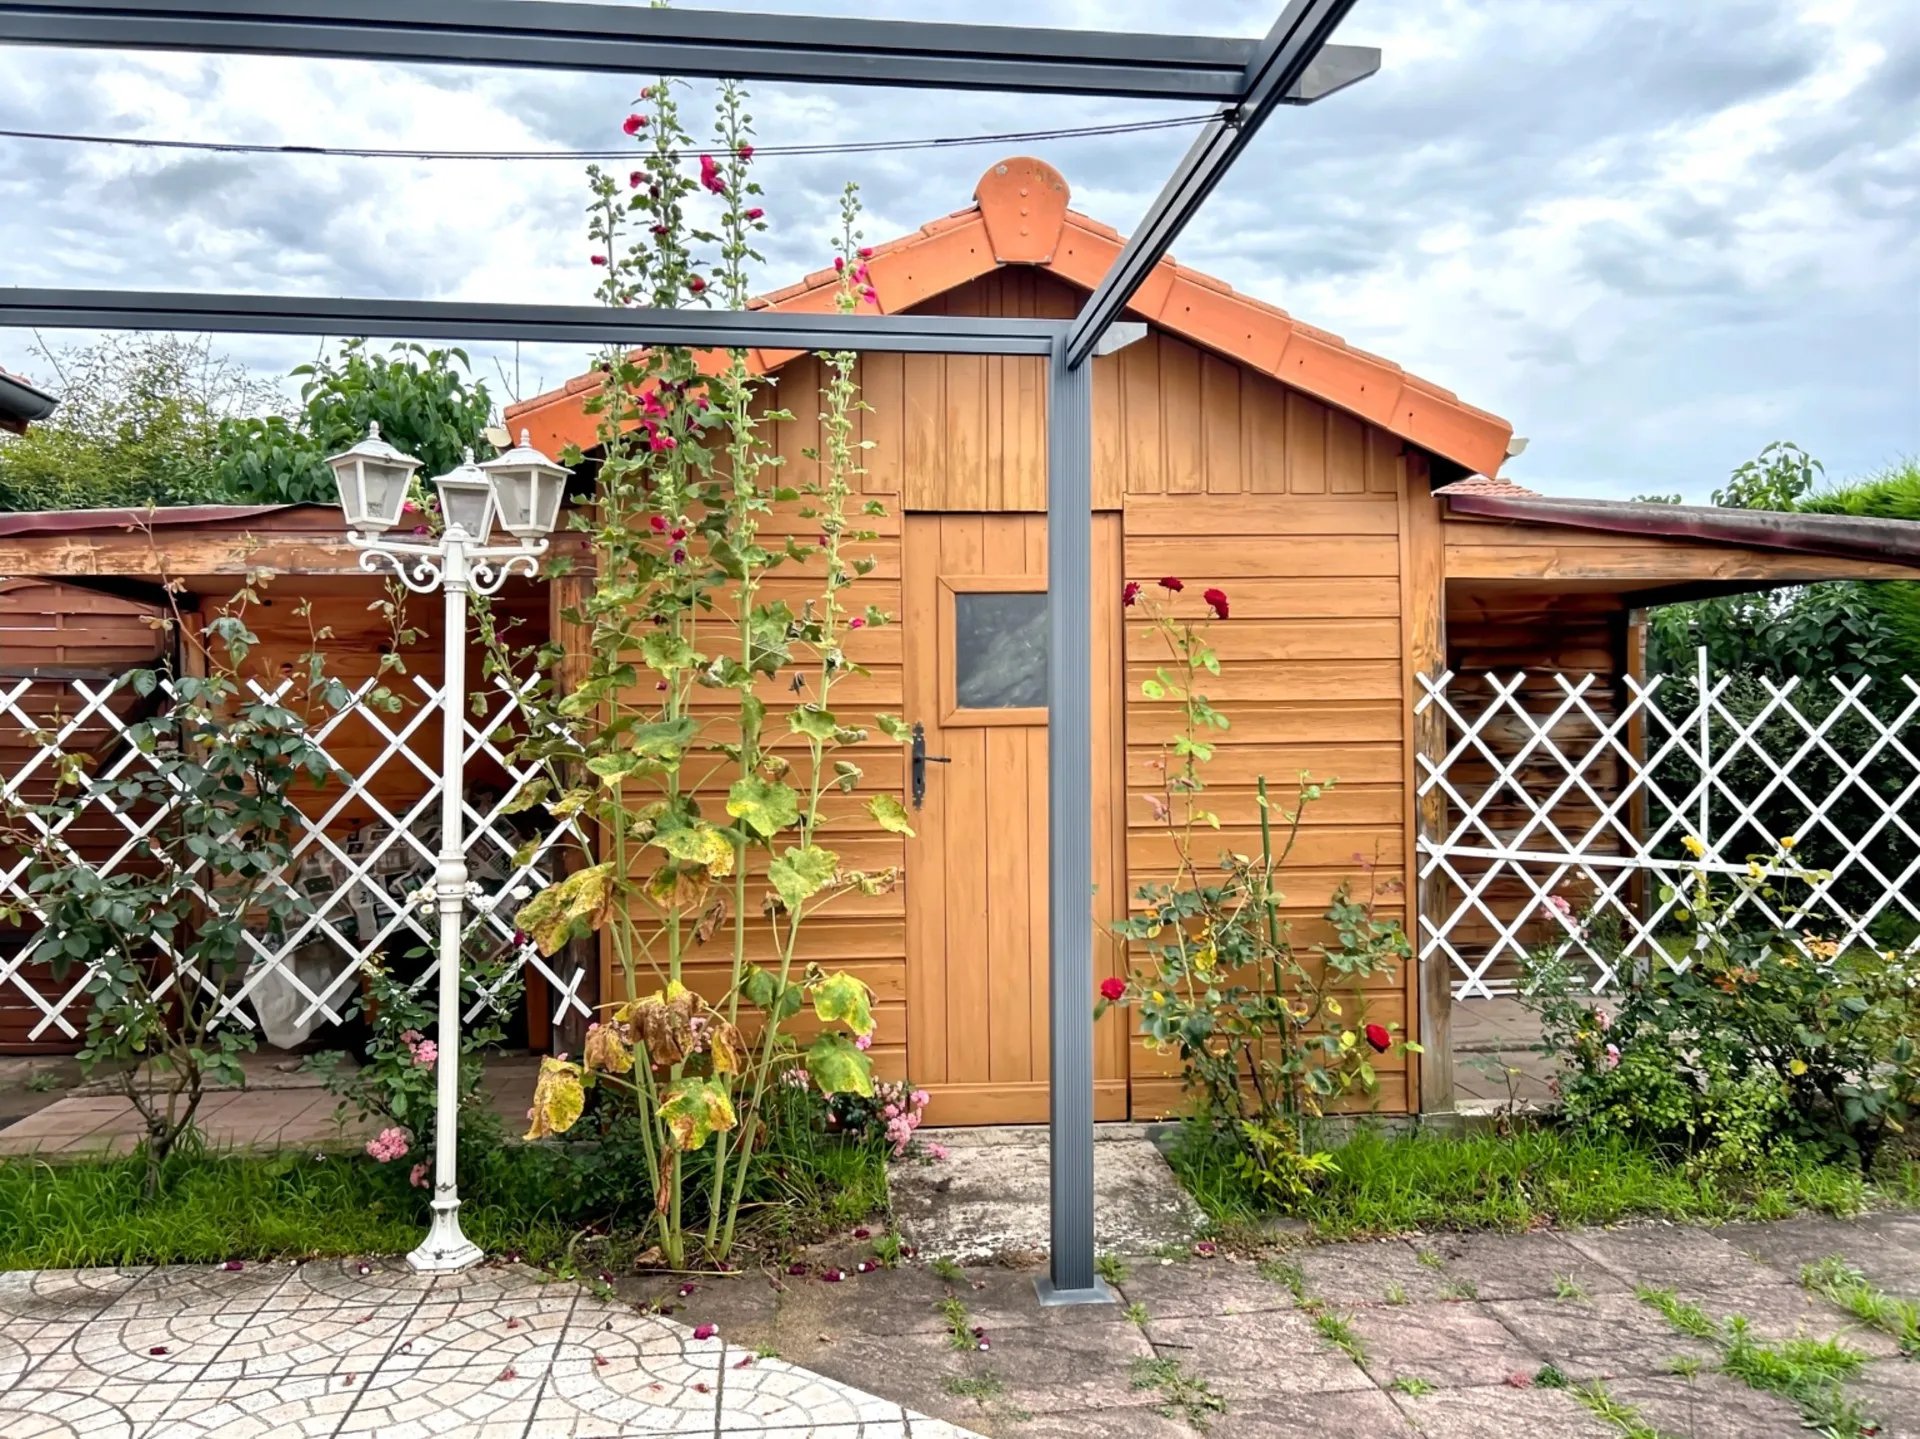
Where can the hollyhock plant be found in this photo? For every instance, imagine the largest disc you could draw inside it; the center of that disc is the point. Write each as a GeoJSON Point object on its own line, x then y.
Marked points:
{"type": "Point", "coordinates": [634, 124]}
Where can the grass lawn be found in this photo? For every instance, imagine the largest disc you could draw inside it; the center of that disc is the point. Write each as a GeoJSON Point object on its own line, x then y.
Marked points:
{"type": "Point", "coordinates": [1388, 1184]}
{"type": "Point", "coordinates": [553, 1204]}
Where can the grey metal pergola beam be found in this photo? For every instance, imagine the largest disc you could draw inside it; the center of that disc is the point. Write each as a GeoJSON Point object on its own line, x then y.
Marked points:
{"type": "Point", "coordinates": [1283, 60]}
{"type": "Point", "coordinates": [1294, 64]}
{"type": "Point", "coordinates": [583, 324]}
{"type": "Point", "coordinates": [637, 39]}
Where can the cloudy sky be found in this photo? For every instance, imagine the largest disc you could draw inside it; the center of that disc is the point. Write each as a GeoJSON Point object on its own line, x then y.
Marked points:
{"type": "Point", "coordinates": [1654, 236]}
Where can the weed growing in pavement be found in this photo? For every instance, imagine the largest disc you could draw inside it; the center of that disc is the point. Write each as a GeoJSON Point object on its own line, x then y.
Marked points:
{"type": "Point", "coordinates": [1411, 1384]}
{"type": "Point", "coordinates": [1565, 1287]}
{"type": "Point", "coordinates": [1285, 1271]}
{"type": "Point", "coordinates": [1182, 1395]}
{"type": "Point", "coordinates": [1609, 1410]}
{"type": "Point", "coordinates": [1457, 1289]}
{"type": "Point", "coordinates": [980, 1388]}
{"type": "Point", "coordinates": [1110, 1267]}
{"type": "Point", "coordinates": [1136, 1312]}
{"type": "Point", "coordinates": [1548, 1377]}
{"type": "Point", "coordinates": [1338, 1331]}
{"type": "Point", "coordinates": [946, 1271]}
{"type": "Point", "coordinates": [1686, 1366]}
{"type": "Point", "coordinates": [1839, 1281]}
{"type": "Point", "coordinates": [1429, 1258]}
{"type": "Point", "coordinates": [1396, 1293]}
{"type": "Point", "coordinates": [960, 1324]}
{"type": "Point", "coordinates": [1687, 1318]}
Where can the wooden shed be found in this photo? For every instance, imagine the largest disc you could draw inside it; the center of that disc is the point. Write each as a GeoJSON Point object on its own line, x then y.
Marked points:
{"type": "Point", "coordinates": [1341, 503]}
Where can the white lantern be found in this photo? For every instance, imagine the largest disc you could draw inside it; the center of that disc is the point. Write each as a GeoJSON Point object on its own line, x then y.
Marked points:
{"type": "Point", "coordinates": [466, 499]}
{"type": "Point", "coordinates": [373, 477]}
{"type": "Point", "coordinates": [528, 487]}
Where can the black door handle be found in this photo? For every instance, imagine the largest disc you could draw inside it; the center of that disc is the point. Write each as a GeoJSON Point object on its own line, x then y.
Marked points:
{"type": "Point", "coordinates": [920, 761]}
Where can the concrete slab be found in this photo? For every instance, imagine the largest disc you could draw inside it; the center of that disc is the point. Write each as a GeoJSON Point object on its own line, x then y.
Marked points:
{"type": "Point", "coordinates": [989, 1200]}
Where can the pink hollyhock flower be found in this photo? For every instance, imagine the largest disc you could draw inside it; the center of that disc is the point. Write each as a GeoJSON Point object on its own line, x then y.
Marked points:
{"type": "Point", "coordinates": [856, 623]}
{"type": "Point", "coordinates": [636, 179]}
{"type": "Point", "coordinates": [411, 1037]}
{"type": "Point", "coordinates": [418, 1177]}
{"type": "Point", "coordinates": [839, 264]}
{"type": "Point", "coordinates": [679, 533]}
{"type": "Point", "coordinates": [633, 124]}
{"type": "Point", "coordinates": [710, 177]}
{"type": "Point", "coordinates": [863, 1041]}
{"type": "Point", "coordinates": [1112, 987]}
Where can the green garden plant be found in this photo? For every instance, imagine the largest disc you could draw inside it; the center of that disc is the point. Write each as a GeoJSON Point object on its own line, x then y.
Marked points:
{"type": "Point", "coordinates": [1268, 1036]}
{"type": "Point", "coordinates": [685, 643]}
{"type": "Point", "coordinates": [162, 945]}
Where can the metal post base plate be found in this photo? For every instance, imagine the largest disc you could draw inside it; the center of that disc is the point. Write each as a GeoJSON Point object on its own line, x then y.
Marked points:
{"type": "Point", "coordinates": [1051, 1298]}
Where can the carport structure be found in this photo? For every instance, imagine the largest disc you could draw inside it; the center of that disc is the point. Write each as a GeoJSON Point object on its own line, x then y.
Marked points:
{"type": "Point", "coordinates": [1247, 79]}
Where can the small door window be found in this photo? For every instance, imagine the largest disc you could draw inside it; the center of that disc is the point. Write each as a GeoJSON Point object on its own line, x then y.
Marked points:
{"type": "Point", "coordinates": [1000, 650]}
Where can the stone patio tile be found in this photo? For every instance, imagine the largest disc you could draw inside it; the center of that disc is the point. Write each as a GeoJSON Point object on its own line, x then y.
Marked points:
{"type": "Point", "coordinates": [1200, 1287]}
{"type": "Point", "coordinates": [1078, 1369]}
{"type": "Point", "coordinates": [63, 1294]}
{"type": "Point", "coordinates": [201, 1289]}
{"type": "Point", "coordinates": [62, 1414]}
{"type": "Point", "coordinates": [1146, 1422]}
{"type": "Point", "coordinates": [1350, 1275]}
{"type": "Point", "coordinates": [521, 1335]}
{"type": "Point", "coordinates": [1005, 1299]}
{"type": "Point", "coordinates": [1363, 1413]}
{"type": "Point", "coordinates": [1454, 1345]}
{"type": "Point", "coordinates": [646, 1375]}
{"type": "Point", "coordinates": [1520, 1266]}
{"type": "Point", "coordinates": [1889, 1390]}
{"type": "Point", "coordinates": [762, 1395]}
{"type": "Point", "coordinates": [912, 1368]}
{"type": "Point", "coordinates": [1776, 1311]}
{"type": "Point", "coordinates": [333, 1339]}
{"type": "Point", "coordinates": [323, 1282]}
{"type": "Point", "coordinates": [1500, 1412]}
{"type": "Point", "coordinates": [1602, 1337]}
{"type": "Point", "coordinates": [921, 1427]}
{"type": "Point", "coordinates": [1259, 1359]}
{"type": "Point", "coordinates": [157, 1349]}
{"type": "Point", "coordinates": [1667, 1256]}
{"type": "Point", "coordinates": [1707, 1406]}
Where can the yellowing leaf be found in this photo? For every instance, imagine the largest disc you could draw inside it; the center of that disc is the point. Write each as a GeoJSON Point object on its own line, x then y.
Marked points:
{"type": "Point", "coordinates": [838, 1067]}
{"type": "Point", "coordinates": [766, 806]}
{"type": "Point", "coordinates": [606, 1051]}
{"type": "Point", "coordinates": [693, 1110]}
{"type": "Point", "coordinates": [583, 896]}
{"type": "Point", "coordinates": [699, 844]}
{"type": "Point", "coordinates": [801, 873]}
{"type": "Point", "coordinates": [814, 723]}
{"type": "Point", "coordinates": [891, 814]}
{"type": "Point", "coordinates": [840, 998]}
{"type": "Point", "coordinates": [558, 1098]}
{"type": "Point", "coordinates": [673, 887]}
{"type": "Point", "coordinates": [725, 1047]}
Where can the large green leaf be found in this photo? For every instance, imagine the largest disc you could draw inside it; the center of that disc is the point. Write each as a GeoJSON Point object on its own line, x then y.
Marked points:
{"type": "Point", "coordinates": [559, 1098]}
{"type": "Point", "coordinates": [842, 999]}
{"type": "Point", "coordinates": [699, 844]}
{"type": "Point", "coordinates": [663, 740]}
{"type": "Point", "coordinates": [694, 1109]}
{"type": "Point", "coordinates": [767, 806]}
{"type": "Point", "coordinates": [799, 874]}
{"type": "Point", "coordinates": [838, 1067]}
{"type": "Point", "coordinates": [813, 723]}
{"type": "Point", "coordinates": [891, 814]}
{"type": "Point", "coordinates": [666, 652]}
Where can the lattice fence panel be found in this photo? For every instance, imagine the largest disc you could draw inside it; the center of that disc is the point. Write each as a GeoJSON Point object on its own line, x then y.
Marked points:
{"type": "Point", "coordinates": [1558, 787]}
{"type": "Point", "coordinates": [368, 842]}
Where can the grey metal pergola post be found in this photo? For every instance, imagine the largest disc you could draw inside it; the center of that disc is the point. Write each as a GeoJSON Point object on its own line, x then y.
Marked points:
{"type": "Point", "coordinates": [1293, 65]}
{"type": "Point", "coordinates": [1070, 1277]}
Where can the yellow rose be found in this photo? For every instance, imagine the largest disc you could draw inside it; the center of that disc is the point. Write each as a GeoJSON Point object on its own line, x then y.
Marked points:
{"type": "Point", "coordinates": [1787, 841]}
{"type": "Point", "coordinates": [1694, 846]}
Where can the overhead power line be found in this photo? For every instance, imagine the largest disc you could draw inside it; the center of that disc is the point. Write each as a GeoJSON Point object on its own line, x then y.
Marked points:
{"type": "Point", "coordinates": [845, 147]}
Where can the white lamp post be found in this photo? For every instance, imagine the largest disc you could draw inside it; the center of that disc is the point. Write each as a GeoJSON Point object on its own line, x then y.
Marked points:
{"type": "Point", "coordinates": [525, 488]}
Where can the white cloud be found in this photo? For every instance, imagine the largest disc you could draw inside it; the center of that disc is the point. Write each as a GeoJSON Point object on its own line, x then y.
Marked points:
{"type": "Point", "coordinates": [1655, 238]}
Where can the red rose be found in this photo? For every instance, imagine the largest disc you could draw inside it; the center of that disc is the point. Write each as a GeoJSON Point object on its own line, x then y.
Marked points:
{"type": "Point", "coordinates": [1172, 585]}
{"type": "Point", "coordinates": [1111, 988]}
{"type": "Point", "coordinates": [633, 123]}
{"type": "Point", "coordinates": [1130, 596]}
{"type": "Point", "coordinates": [1378, 1037]}
{"type": "Point", "coordinates": [1217, 600]}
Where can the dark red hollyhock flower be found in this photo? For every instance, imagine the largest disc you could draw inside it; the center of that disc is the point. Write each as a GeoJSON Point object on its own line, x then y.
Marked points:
{"type": "Point", "coordinates": [598, 259]}
{"type": "Point", "coordinates": [745, 152]}
{"type": "Point", "coordinates": [636, 179]}
{"type": "Point", "coordinates": [755, 213]}
{"type": "Point", "coordinates": [1378, 1037]}
{"type": "Point", "coordinates": [705, 1331]}
{"type": "Point", "coordinates": [710, 176]}
{"type": "Point", "coordinates": [1130, 596]}
{"type": "Point", "coordinates": [659, 525]}
{"type": "Point", "coordinates": [839, 263]}
{"type": "Point", "coordinates": [633, 124]}
{"type": "Point", "coordinates": [696, 284]}
{"type": "Point", "coordinates": [1217, 601]}
{"type": "Point", "coordinates": [1112, 987]}
{"type": "Point", "coordinates": [1172, 585]}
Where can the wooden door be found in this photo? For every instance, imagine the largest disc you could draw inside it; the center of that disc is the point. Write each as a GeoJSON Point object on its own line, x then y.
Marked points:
{"type": "Point", "coordinates": [975, 615]}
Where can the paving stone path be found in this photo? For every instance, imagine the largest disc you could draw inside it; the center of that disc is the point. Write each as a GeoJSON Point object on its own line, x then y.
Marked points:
{"type": "Point", "coordinates": [326, 1351]}
{"type": "Point", "coordinates": [1446, 1337]}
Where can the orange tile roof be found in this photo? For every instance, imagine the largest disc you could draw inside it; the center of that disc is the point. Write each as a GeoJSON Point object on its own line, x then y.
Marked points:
{"type": "Point", "coordinates": [1020, 216]}
{"type": "Point", "coordinates": [1486, 485]}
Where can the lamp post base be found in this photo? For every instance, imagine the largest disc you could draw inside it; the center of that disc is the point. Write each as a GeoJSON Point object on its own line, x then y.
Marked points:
{"type": "Point", "coordinates": [445, 1250]}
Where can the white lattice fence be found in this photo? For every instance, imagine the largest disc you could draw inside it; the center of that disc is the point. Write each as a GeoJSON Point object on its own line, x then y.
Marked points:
{"type": "Point", "coordinates": [368, 842]}
{"type": "Point", "coordinates": [1563, 788]}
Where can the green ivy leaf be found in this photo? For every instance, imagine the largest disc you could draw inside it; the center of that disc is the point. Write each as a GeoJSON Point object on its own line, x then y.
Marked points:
{"type": "Point", "coordinates": [890, 814]}
{"type": "Point", "coordinates": [801, 873]}
{"type": "Point", "coordinates": [838, 1067]}
{"type": "Point", "coordinates": [767, 806]}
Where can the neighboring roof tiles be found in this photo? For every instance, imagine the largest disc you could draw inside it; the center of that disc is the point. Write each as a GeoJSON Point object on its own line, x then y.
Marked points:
{"type": "Point", "coordinates": [1021, 216]}
{"type": "Point", "coordinates": [1851, 537]}
{"type": "Point", "coordinates": [59, 522]}
{"type": "Point", "coordinates": [1484, 485]}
